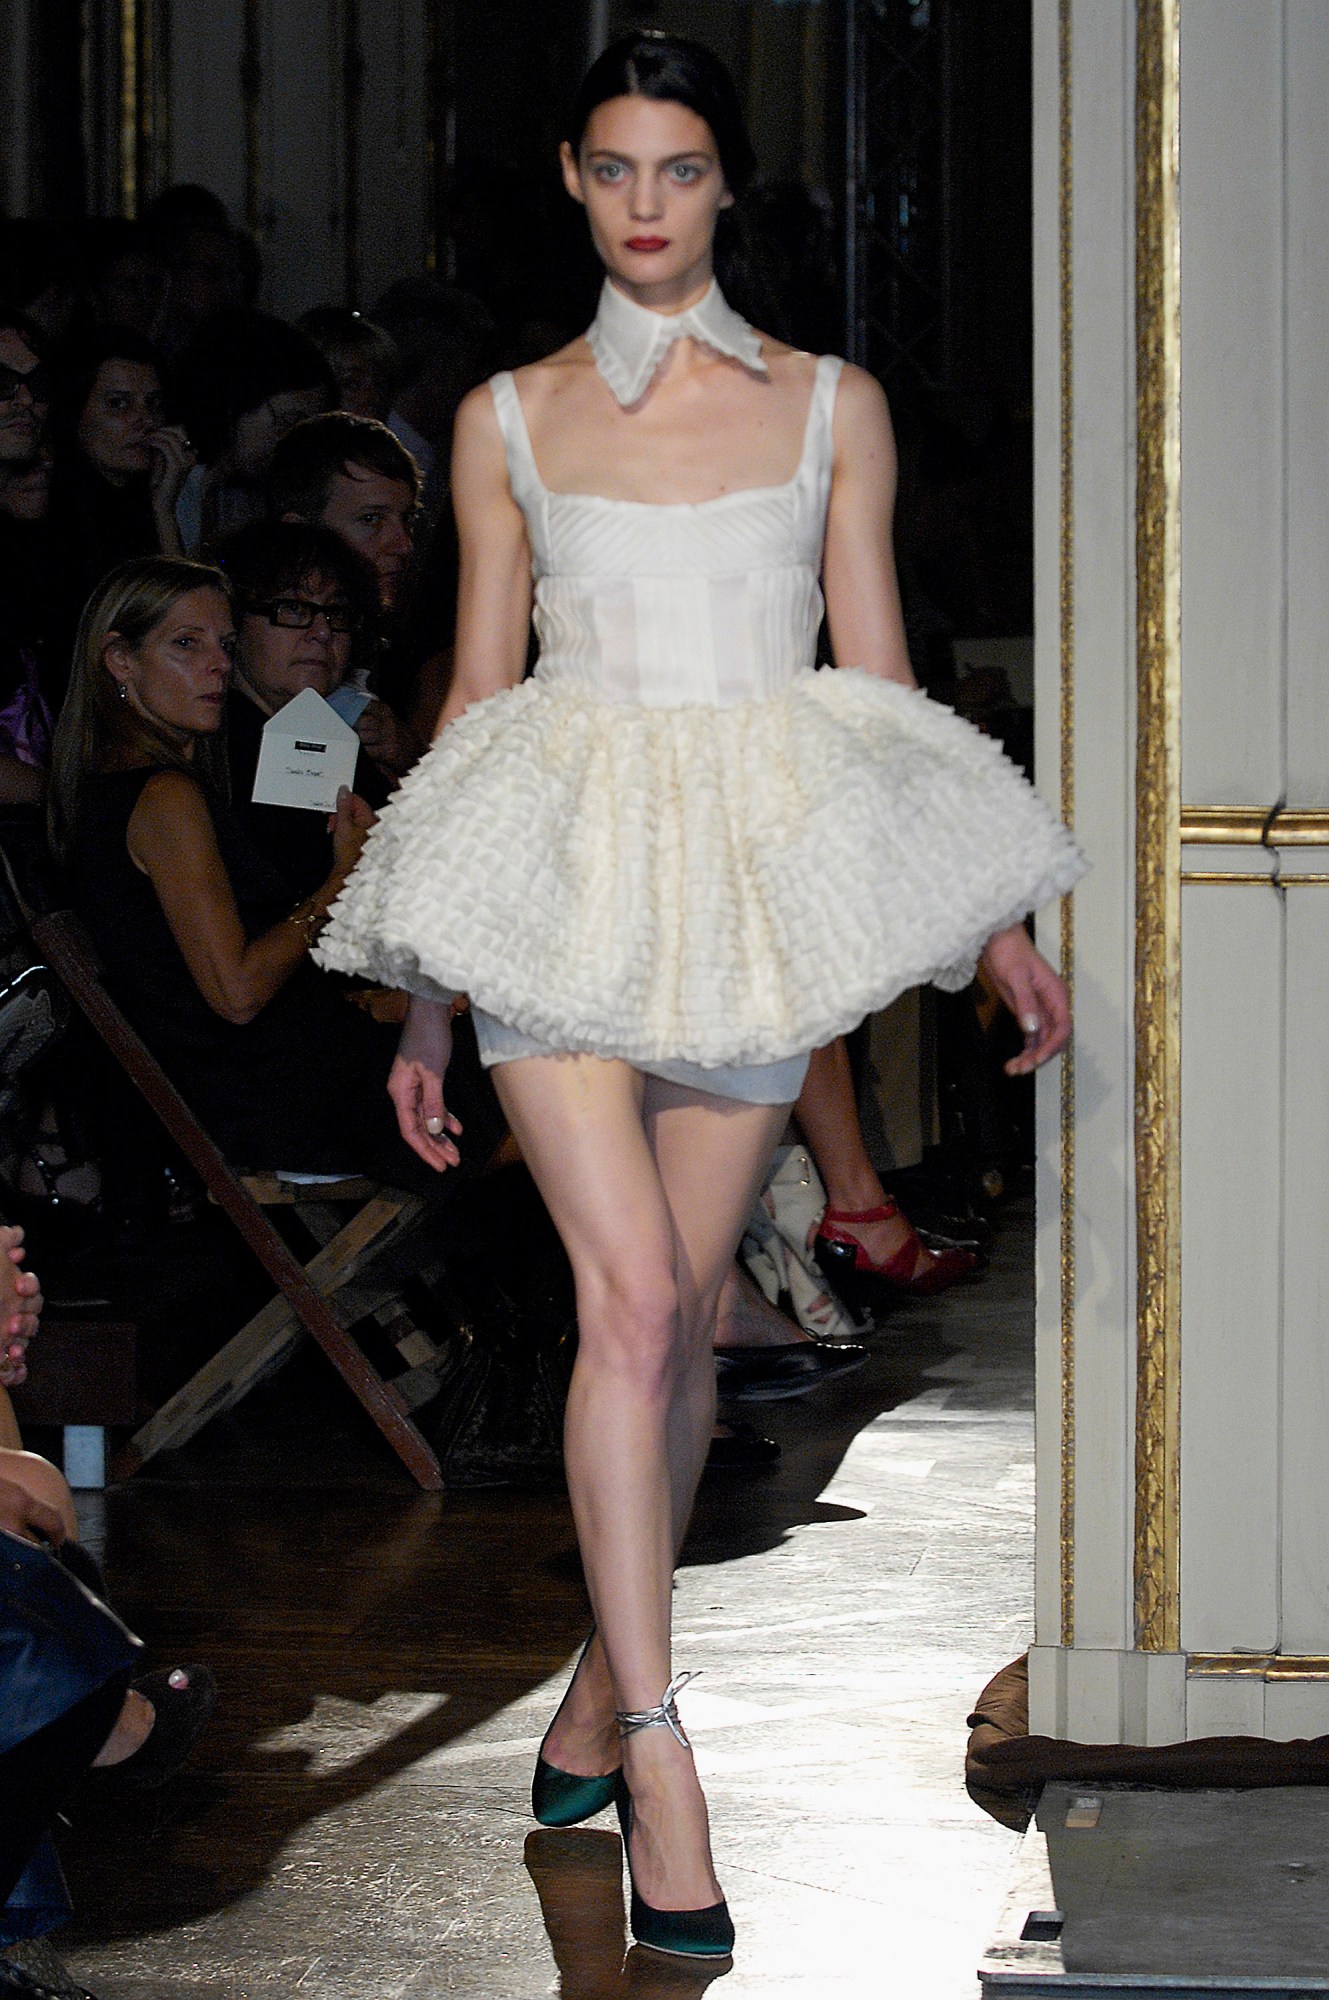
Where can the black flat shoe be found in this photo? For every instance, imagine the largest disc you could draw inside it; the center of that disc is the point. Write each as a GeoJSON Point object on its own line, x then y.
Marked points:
{"type": "Point", "coordinates": [774, 1374]}
{"type": "Point", "coordinates": [744, 1450]}
{"type": "Point", "coordinates": [182, 1700]}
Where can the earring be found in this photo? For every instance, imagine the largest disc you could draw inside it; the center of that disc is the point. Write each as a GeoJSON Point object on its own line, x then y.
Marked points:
{"type": "Point", "coordinates": [122, 692]}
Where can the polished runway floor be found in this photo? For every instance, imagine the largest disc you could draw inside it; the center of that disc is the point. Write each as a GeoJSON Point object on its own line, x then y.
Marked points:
{"type": "Point", "coordinates": [356, 1824]}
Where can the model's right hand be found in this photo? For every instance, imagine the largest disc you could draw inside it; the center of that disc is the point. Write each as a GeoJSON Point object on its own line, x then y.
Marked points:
{"type": "Point", "coordinates": [415, 1084]}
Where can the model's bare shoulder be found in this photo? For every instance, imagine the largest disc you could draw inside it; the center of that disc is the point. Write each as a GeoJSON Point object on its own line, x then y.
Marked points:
{"type": "Point", "coordinates": [861, 396]}
{"type": "Point", "coordinates": [542, 383]}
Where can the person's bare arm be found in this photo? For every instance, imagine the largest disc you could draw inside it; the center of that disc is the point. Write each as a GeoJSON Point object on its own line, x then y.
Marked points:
{"type": "Point", "coordinates": [171, 838]}
{"type": "Point", "coordinates": [494, 578]}
{"type": "Point", "coordinates": [858, 570]}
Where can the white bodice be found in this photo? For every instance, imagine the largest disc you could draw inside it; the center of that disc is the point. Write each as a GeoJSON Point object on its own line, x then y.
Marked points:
{"type": "Point", "coordinates": [675, 605]}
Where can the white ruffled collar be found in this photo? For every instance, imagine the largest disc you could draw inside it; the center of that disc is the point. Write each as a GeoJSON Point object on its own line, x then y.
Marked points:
{"type": "Point", "coordinates": [630, 341]}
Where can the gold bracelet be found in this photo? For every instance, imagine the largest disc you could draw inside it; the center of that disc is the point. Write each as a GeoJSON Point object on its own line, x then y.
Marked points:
{"type": "Point", "coordinates": [310, 921]}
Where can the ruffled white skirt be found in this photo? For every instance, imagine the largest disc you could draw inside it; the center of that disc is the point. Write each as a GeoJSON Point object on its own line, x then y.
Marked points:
{"type": "Point", "coordinates": [719, 886]}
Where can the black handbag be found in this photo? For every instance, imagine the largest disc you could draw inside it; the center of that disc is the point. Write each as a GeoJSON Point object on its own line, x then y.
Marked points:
{"type": "Point", "coordinates": [58, 1642]}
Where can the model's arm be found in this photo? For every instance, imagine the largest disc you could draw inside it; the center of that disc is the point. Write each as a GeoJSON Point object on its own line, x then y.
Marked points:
{"type": "Point", "coordinates": [858, 571]}
{"type": "Point", "coordinates": [171, 839]}
{"type": "Point", "coordinates": [494, 577]}
{"type": "Point", "coordinates": [867, 630]}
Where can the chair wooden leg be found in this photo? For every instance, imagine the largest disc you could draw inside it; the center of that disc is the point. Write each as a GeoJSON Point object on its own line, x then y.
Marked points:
{"type": "Point", "coordinates": [264, 1344]}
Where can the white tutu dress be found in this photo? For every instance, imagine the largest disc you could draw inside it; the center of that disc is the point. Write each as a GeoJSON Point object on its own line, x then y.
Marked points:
{"type": "Point", "coordinates": [678, 843]}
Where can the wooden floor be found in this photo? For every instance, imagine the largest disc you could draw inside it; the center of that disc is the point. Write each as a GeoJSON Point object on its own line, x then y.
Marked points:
{"type": "Point", "coordinates": [356, 1823]}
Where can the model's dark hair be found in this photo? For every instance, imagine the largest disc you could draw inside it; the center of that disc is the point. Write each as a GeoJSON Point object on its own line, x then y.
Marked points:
{"type": "Point", "coordinates": [314, 451]}
{"type": "Point", "coordinates": [673, 70]}
{"type": "Point", "coordinates": [676, 71]}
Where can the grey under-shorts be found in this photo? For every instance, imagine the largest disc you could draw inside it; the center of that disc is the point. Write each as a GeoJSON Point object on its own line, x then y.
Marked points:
{"type": "Point", "coordinates": [757, 1083]}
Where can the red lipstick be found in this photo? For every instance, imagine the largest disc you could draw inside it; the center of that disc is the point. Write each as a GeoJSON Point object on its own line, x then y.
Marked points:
{"type": "Point", "coordinates": [647, 243]}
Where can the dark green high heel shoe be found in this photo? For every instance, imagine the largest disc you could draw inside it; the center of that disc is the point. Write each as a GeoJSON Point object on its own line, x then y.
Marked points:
{"type": "Point", "coordinates": [707, 1933]}
{"type": "Point", "coordinates": [561, 1798]}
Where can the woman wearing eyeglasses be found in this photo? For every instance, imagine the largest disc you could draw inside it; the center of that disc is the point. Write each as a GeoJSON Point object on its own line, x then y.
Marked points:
{"type": "Point", "coordinates": [206, 950]}
{"type": "Point", "coordinates": [306, 609]}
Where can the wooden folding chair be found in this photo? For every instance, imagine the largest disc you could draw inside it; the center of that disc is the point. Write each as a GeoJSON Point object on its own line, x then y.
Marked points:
{"type": "Point", "coordinates": [323, 1298]}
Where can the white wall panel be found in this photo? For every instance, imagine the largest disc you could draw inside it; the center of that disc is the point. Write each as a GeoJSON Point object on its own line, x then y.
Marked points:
{"type": "Point", "coordinates": [207, 114]}
{"type": "Point", "coordinates": [1308, 402]}
{"type": "Point", "coordinates": [302, 173]}
{"type": "Point", "coordinates": [1232, 400]}
{"type": "Point", "coordinates": [1104, 780]}
{"type": "Point", "coordinates": [1305, 1454]}
{"type": "Point", "coordinates": [394, 194]}
{"type": "Point", "coordinates": [1231, 1271]}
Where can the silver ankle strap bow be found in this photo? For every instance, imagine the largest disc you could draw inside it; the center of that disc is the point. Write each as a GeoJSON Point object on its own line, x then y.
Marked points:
{"type": "Point", "coordinates": [665, 1716]}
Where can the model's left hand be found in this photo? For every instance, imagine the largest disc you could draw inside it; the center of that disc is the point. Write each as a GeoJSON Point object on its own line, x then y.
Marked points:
{"type": "Point", "coordinates": [1035, 994]}
{"type": "Point", "coordinates": [387, 740]}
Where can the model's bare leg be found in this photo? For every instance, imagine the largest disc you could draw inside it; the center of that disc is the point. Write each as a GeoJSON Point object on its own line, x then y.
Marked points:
{"type": "Point", "coordinates": [827, 1114]}
{"type": "Point", "coordinates": [648, 1186]}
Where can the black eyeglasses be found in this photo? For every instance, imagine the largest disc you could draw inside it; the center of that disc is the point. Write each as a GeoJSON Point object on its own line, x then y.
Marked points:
{"type": "Point", "coordinates": [37, 382]}
{"type": "Point", "coordinates": [297, 614]}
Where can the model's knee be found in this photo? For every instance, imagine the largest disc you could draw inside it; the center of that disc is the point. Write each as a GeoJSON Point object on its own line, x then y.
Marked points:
{"type": "Point", "coordinates": [630, 1321]}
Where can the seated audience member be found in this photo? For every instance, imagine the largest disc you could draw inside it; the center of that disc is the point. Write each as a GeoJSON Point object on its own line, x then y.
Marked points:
{"type": "Point", "coordinates": [37, 591]}
{"type": "Point", "coordinates": [119, 465]}
{"type": "Point", "coordinates": [350, 474]}
{"type": "Point", "coordinates": [306, 610]}
{"type": "Point", "coordinates": [85, 1715]}
{"type": "Point", "coordinates": [362, 356]}
{"type": "Point", "coordinates": [213, 267]}
{"type": "Point", "coordinates": [445, 338]}
{"type": "Point", "coordinates": [38, 276]}
{"type": "Point", "coordinates": [245, 380]}
{"type": "Point", "coordinates": [125, 276]}
{"type": "Point", "coordinates": [193, 922]}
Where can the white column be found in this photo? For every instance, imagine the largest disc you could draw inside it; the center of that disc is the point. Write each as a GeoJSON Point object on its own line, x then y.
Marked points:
{"type": "Point", "coordinates": [1240, 1485]}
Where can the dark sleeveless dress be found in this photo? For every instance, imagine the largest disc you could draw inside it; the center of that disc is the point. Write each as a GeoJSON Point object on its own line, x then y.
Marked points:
{"type": "Point", "coordinates": [303, 1085]}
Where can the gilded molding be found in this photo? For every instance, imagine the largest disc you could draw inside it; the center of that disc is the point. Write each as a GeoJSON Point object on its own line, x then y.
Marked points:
{"type": "Point", "coordinates": [144, 102]}
{"type": "Point", "coordinates": [1247, 879]}
{"type": "Point", "coordinates": [1066, 615]}
{"type": "Point", "coordinates": [1254, 826]}
{"type": "Point", "coordinates": [129, 102]}
{"type": "Point", "coordinates": [1158, 829]}
{"type": "Point", "coordinates": [1257, 1667]}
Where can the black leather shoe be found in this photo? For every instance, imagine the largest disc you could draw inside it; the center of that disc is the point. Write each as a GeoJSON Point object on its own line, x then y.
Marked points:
{"type": "Point", "coordinates": [744, 1450]}
{"type": "Point", "coordinates": [773, 1374]}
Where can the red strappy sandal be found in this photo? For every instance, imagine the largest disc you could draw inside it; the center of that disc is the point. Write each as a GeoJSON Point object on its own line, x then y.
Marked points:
{"type": "Point", "coordinates": [871, 1289]}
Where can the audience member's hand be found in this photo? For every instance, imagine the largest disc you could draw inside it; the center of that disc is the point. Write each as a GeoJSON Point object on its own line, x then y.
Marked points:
{"type": "Point", "coordinates": [20, 1308]}
{"type": "Point", "coordinates": [32, 1519]}
{"type": "Point", "coordinates": [173, 459]}
{"type": "Point", "coordinates": [348, 827]}
{"type": "Point", "coordinates": [415, 1084]}
{"type": "Point", "coordinates": [1035, 994]}
{"type": "Point", "coordinates": [387, 740]}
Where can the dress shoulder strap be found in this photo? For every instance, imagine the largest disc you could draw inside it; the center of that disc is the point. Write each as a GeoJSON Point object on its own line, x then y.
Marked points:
{"type": "Point", "coordinates": [523, 475]}
{"type": "Point", "coordinates": [819, 450]}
